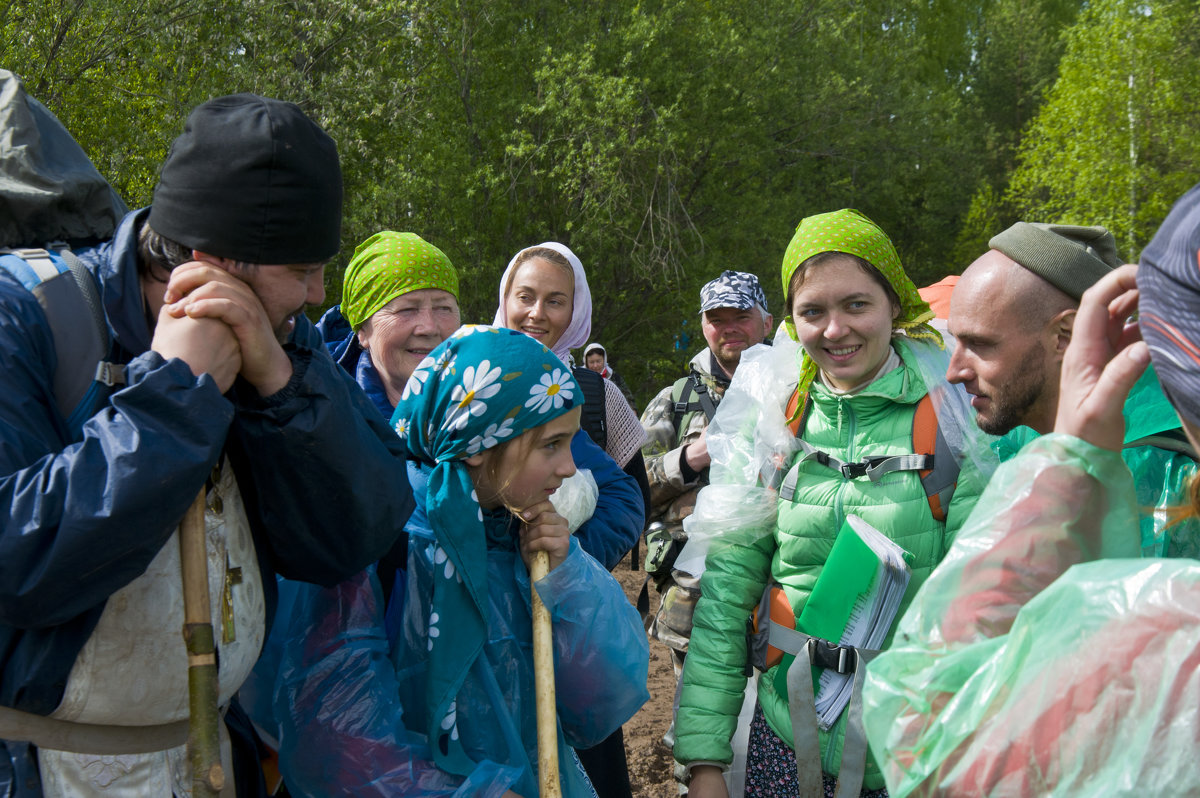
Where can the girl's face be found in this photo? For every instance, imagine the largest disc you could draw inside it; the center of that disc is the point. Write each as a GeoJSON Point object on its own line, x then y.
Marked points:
{"type": "Point", "coordinates": [530, 468]}
{"type": "Point", "coordinates": [844, 320]}
{"type": "Point", "coordinates": [540, 301]}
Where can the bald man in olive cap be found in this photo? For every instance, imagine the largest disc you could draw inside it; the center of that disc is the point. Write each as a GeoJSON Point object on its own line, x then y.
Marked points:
{"type": "Point", "coordinates": [1012, 314]}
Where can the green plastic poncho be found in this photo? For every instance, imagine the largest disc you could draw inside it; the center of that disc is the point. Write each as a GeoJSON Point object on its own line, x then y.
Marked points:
{"type": "Point", "coordinates": [1161, 472]}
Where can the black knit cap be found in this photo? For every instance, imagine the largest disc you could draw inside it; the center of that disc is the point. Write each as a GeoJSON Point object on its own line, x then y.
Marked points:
{"type": "Point", "coordinates": [1072, 257]}
{"type": "Point", "coordinates": [252, 179]}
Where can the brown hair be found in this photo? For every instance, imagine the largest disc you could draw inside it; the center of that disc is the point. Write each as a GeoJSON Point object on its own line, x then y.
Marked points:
{"type": "Point", "coordinates": [159, 255]}
{"type": "Point", "coordinates": [824, 257]}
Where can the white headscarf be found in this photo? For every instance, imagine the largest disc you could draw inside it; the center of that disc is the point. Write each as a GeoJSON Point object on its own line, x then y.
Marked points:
{"type": "Point", "coordinates": [580, 328]}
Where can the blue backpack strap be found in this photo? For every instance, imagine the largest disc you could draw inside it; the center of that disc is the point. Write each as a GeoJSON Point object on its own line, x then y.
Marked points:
{"type": "Point", "coordinates": [67, 294]}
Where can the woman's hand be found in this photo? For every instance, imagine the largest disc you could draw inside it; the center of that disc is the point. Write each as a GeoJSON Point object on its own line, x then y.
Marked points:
{"type": "Point", "coordinates": [543, 529]}
{"type": "Point", "coordinates": [1103, 361]}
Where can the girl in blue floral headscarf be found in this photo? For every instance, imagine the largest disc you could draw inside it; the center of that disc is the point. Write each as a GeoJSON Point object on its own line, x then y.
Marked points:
{"type": "Point", "coordinates": [489, 415]}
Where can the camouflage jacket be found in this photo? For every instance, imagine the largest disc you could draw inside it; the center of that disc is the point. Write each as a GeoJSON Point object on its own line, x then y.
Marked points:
{"type": "Point", "coordinates": [671, 497]}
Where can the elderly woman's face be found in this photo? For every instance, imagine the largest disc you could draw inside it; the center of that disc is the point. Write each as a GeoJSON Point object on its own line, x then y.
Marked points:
{"type": "Point", "coordinates": [400, 334]}
{"type": "Point", "coordinates": [540, 300]}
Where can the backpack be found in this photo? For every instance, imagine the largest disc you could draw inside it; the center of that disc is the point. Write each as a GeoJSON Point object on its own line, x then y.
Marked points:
{"type": "Point", "coordinates": [706, 401]}
{"type": "Point", "coordinates": [932, 458]}
{"type": "Point", "coordinates": [593, 420]}
{"type": "Point", "coordinates": [67, 294]}
{"type": "Point", "coordinates": [51, 193]}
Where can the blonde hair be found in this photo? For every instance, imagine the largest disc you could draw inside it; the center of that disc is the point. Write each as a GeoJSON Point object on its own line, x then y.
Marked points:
{"type": "Point", "coordinates": [491, 459]}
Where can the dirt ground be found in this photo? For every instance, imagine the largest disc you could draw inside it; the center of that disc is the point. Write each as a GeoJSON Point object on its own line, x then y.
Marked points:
{"type": "Point", "coordinates": [649, 759]}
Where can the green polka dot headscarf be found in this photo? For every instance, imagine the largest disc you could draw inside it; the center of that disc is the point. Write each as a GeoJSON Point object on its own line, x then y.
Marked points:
{"type": "Point", "coordinates": [851, 232]}
{"type": "Point", "coordinates": [388, 265]}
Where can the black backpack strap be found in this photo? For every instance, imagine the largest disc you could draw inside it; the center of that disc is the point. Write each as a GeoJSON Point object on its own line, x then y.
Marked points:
{"type": "Point", "coordinates": [594, 419]}
{"type": "Point", "coordinates": [704, 401]}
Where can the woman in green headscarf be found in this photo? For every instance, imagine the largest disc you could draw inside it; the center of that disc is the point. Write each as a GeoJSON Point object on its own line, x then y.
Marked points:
{"type": "Point", "coordinates": [850, 391]}
{"type": "Point", "coordinates": [399, 301]}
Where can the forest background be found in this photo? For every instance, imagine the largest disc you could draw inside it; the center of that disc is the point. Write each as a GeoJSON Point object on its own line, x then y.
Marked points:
{"type": "Point", "coordinates": [662, 140]}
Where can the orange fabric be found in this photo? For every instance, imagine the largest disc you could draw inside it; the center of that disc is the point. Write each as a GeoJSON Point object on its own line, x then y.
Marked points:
{"type": "Point", "coordinates": [780, 611]}
{"type": "Point", "coordinates": [938, 295]}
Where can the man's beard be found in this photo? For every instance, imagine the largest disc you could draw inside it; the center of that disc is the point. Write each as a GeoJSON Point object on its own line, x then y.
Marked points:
{"type": "Point", "coordinates": [1011, 408]}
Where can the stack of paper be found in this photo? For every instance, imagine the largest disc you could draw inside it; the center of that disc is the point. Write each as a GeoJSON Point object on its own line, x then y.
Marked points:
{"type": "Point", "coordinates": [854, 603]}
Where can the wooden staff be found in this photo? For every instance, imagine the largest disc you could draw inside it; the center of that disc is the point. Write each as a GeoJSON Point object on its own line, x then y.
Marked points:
{"type": "Point", "coordinates": [204, 742]}
{"type": "Point", "coordinates": [543, 677]}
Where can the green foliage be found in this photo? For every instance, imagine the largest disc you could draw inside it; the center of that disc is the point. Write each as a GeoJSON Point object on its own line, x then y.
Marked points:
{"type": "Point", "coordinates": [663, 140]}
{"type": "Point", "coordinates": [1115, 142]}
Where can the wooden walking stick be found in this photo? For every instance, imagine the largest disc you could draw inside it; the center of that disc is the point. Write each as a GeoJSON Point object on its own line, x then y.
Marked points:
{"type": "Point", "coordinates": [543, 677]}
{"type": "Point", "coordinates": [204, 742]}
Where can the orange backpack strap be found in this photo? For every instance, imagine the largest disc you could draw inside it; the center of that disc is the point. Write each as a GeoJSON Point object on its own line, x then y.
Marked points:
{"type": "Point", "coordinates": [941, 478]}
{"type": "Point", "coordinates": [932, 458]}
{"type": "Point", "coordinates": [773, 606]}
{"type": "Point", "coordinates": [797, 410]}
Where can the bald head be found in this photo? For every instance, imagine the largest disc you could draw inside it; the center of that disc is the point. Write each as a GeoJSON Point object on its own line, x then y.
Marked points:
{"type": "Point", "coordinates": [995, 283]}
{"type": "Point", "coordinates": [1011, 328]}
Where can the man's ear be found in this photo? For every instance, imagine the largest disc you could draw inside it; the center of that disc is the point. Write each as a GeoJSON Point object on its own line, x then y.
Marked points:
{"type": "Point", "coordinates": [1060, 328]}
{"type": "Point", "coordinates": [212, 260]}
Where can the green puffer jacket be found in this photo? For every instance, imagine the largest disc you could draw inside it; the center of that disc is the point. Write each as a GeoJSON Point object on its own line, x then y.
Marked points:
{"type": "Point", "coordinates": [876, 421]}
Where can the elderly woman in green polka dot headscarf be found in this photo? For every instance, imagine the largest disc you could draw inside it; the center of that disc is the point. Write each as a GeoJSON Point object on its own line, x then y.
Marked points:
{"type": "Point", "coordinates": [399, 301]}
{"type": "Point", "coordinates": [861, 360]}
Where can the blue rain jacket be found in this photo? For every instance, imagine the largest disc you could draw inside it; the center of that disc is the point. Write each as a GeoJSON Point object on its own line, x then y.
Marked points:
{"type": "Point", "coordinates": [82, 518]}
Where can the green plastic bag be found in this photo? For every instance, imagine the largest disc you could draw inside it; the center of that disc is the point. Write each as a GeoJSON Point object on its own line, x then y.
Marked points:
{"type": "Point", "coordinates": [1044, 657]}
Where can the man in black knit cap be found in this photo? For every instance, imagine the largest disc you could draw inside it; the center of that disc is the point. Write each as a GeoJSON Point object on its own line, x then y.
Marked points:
{"type": "Point", "coordinates": [222, 384]}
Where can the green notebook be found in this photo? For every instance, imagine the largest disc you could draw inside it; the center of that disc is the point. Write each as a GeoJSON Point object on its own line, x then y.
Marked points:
{"type": "Point", "coordinates": [854, 602]}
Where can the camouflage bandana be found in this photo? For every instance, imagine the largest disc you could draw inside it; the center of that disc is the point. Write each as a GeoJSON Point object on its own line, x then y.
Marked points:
{"type": "Point", "coordinates": [851, 232]}
{"type": "Point", "coordinates": [732, 289]}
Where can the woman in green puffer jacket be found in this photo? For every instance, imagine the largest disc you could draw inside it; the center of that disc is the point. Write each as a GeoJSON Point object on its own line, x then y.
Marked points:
{"type": "Point", "coordinates": [868, 357]}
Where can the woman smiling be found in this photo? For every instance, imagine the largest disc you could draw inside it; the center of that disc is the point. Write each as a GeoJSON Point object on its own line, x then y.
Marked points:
{"type": "Point", "coordinates": [867, 360]}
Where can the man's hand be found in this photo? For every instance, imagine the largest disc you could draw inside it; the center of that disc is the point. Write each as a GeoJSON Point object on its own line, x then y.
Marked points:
{"type": "Point", "coordinates": [544, 530]}
{"type": "Point", "coordinates": [696, 453]}
{"type": "Point", "coordinates": [707, 782]}
{"type": "Point", "coordinates": [202, 290]}
{"type": "Point", "coordinates": [206, 345]}
{"type": "Point", "coordinates": [1103, 361]}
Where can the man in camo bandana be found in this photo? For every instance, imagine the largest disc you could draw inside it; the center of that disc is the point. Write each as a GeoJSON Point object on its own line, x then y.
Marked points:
{"type": "Point", "coordinates": [734, 317]}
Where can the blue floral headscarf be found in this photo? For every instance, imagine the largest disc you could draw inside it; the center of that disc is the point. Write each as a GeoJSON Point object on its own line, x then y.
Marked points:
{"type": "Point", "coordinates": [481, 387]}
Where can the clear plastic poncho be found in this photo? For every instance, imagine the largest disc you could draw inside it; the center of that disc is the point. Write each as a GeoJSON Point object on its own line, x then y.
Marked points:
{"type": "Point", "coordinates": [1039, 659]}
{"type": "Point", "coordinates": [752, 447]}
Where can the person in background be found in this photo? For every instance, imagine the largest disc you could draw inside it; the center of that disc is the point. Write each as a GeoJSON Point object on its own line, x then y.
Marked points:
{"type": "Point", "coordinates": [595, 357]}
{"type": "Point", "coordinates": [1013, 313]}
{"type": "Point", "coordinates": [733, 318]}
{"type": "Point", "coordinates": [399, 301]}
{"type": "Point", "coordinates": [544, 294]}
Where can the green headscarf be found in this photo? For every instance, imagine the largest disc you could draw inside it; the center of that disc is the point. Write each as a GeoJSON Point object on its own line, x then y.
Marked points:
{"type": "Point", "coordinates": [851, 232]}
{"type": "Point", "coordinates": [388, 265]}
